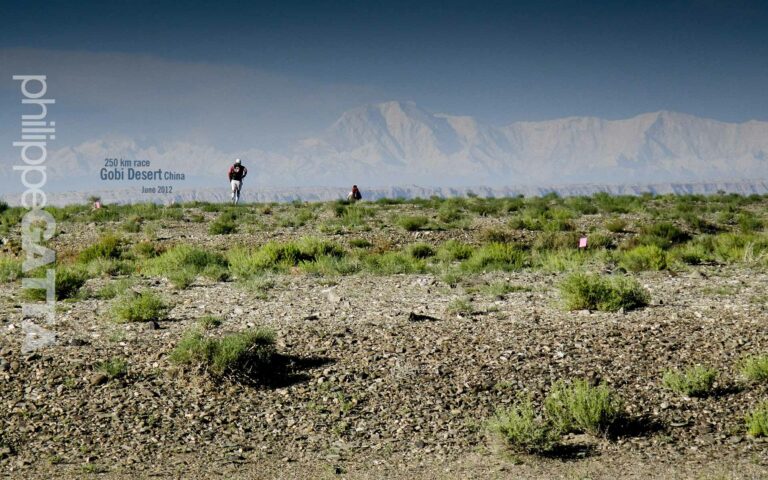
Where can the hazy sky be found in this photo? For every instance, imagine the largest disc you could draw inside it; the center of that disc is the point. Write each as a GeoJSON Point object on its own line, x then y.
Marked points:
{"type": "Point", "coordinates": [228, 71]}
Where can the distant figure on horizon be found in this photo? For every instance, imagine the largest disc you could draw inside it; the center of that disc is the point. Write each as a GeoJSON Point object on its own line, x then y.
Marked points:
{"type": "Point", "coordinates": [237, 173]}
{"type": "Point", "coordinates": [355, 194]}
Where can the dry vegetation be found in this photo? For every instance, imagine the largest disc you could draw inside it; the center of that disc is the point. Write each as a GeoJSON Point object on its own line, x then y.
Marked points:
{"type": "Point", "coordinates": [429, 338]}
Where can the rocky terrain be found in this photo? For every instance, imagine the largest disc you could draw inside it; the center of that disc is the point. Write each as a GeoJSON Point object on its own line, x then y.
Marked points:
{"type": "Point", "coordinates": [380, 376]}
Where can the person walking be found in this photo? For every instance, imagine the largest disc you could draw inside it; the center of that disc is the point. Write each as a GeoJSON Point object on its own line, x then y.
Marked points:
{"type": "Point", "coordinates": [237, 173]}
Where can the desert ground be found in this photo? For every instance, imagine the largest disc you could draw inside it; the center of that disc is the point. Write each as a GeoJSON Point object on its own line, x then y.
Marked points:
{"type": "Point", "coordinates": [394, 339]}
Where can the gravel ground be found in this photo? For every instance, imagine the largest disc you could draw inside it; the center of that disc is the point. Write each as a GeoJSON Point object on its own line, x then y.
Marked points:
{"type": "Point", "coordinates": [369, 390]}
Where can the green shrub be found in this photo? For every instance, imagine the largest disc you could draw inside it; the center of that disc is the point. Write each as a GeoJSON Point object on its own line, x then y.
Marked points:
{"type": "Point", "coordinates": [692, 254]}
{"type": "Point", "coordinates": [421, 250]}
{"type": "Point", "coordinates": [583, 291]}
{"type": "Point", "coordinates": [132, 224]}
{"type": "Point", "coordinates": [495, 256]}
{"type": "Point", "coordinates": [451, 277]}
{"type": "Point", "coordinates": [257, 285]}
{"type": "Point", "coordinates": [297, 219]}
{"type": "Point", "coordinates": [693, 382]}
{"type": "Point", "coordinates": [699, 224]}
{"type": "Point", "coordinates": [598, 240]}
{"type": "Point", "coordinates": [115, 367]}
{"type": "Point", "coordinates": [209, 322]}
{"type": "Point", "coordinates": [558, 225]}
{"type": "Point", "coordinates": [222, 226]}
{"type": "Point", "coordinates": [67, 283]}
{"type": "Point", "coordinates": [524, 222]}
{"type": "Point", "coordinates": [755, 368]}
{"type": "Point", "coordinates": [360, 243]}
{"type": "Point", "coordinates": [140, 307]}
{"type": "Point", "coordinates": [560, 260]}
{"type": "Point", "coordinates": [10, 269]}
{"type": "Point", "coordinates": [114, 289]}
{"type": "Point", "coordinates": [556, 241]}
{"type": "Point", "coordinates": [453, 250]}
{"type": "Point", "coordinates": [748, 222]}
{"type": "Point", "coordinates": [212, 207]}
{"type": "Point", "coordinates": [350, 214]}
{"type": "Point", "coordinates": [182, 278]}
{"type": "Point", "coordinates": [108, 247]}
{"type": "Point", "coordinates": [663, 235]}
{"type": "Point", "coordinates": [523, 430]}
{"type": "Point", "coordinates": [581, 407]}
{"type": "Point", "coordinates": [107, 213]}
{"type": "Point", "coordinates": [583, 205]}
{"type": "Point", "coordinates": [182, 263]}
{"type": "Point", "coordinates": [413, 223]}
{"type": "Point", "coordinates": [757, 421]}
{"type": "Point", "coordinates": [108, 266]}
{"type": "Point", "coordinates": [616, 225]}
{"type": "Point", "coordinates": [495, 235]}
{"type": "Point", "coordinates": [617, 203]}
{"type": "Point", "coordinates": [448, 213]}
{"type": "Point", "coordinates": [237, 356]}
{"type": "Point", "coordinates": [644, 257]}
{"type": "Point", "coordinates": [392, 263]}
{"type": "Point", "coordinates": [460, 306]}
{"type": "Point", "coordinates": [275, 257]}
{"type": "Point", "coordinates": [484, 207]}
{"type": "Point", "coordinates": [146, 249]}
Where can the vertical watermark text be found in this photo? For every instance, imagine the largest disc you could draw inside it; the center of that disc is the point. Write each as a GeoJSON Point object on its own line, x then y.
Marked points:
{"type": "Point", "coordinates": [37, 225]}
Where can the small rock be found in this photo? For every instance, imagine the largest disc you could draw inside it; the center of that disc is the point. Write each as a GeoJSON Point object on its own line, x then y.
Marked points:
{"type": "Point", "coordinates": [152, 325]}
{"type": "Point", "coordinates": [97, 379]}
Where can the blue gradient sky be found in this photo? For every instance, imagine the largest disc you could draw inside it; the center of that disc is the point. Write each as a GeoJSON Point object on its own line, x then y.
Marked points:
{"type": "Point", "coordinates": [498, 60]}
{"type": "Point", "coordinates": [287, 69]}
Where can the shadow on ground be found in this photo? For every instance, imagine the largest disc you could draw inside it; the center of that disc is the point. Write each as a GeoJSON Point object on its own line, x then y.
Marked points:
{"type": "Point", "coordinates": [284, 371]}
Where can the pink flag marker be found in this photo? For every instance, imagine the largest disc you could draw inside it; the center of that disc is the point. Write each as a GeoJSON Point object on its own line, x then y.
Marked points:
{"type": "Point", "coordinates": [583, 242]}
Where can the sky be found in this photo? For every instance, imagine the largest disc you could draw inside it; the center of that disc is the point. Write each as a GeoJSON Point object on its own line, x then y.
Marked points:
{"type": "Point", "coordinates": [266, 74]}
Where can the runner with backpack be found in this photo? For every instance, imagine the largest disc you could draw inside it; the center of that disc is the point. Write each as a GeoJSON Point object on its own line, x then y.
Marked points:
{"type": "Point", "coordinates": [355, 194]}
{"type": "Point", "coordinates": [237, 173]}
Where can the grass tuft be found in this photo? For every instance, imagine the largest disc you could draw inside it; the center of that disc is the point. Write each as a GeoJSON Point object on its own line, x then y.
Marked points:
{"type": "Point", "coordinates": [644, 257]}
{"type": "Point", "coordinates": [209, 322]}
{"type": "Point", "coordinates": [115, 367]}
{"type": "Point", "coordinates": [592, 292]}
{"type": "Point", "coordinates": [581, 407]}
{"type": "Point", "coordinates": [523, 430]}
{"type": "Point", "coordinates": [413, 223]}
{"type": "Point", "coordinates": [695, 381]}
{"type": "Point", "coordinates": [237, 356]}
{"type": "Point", "coordinates": [140, 307]}
{"type": "Point", "coordinates": [755, 368]}
{"type": "Point", "coordinates": [757, 421]}
{"type": "Point", "coordinates": [68, 282]}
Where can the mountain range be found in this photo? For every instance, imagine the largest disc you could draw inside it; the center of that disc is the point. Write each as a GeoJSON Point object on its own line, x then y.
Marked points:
{"type": "Point", "coordinates": [400, 143]}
